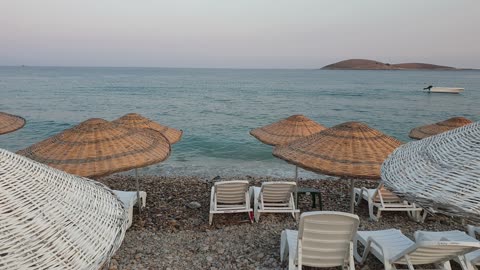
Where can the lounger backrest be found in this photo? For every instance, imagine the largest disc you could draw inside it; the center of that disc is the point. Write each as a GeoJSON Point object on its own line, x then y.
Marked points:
{"type": "Point", "coordinates": [385, 195]}
{"type": "Point", "coordinates": [427, 252]}
{"type": "Point", "coordinates": [324, 238]}
{"type": "Point", "coordinates": [277, 191]}
{"type": "Point", "coordinates": [231, 192]}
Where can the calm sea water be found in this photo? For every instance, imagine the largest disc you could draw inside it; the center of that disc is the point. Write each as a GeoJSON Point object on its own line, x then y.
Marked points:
{"type": "Point", "coordinates": [216, 108]}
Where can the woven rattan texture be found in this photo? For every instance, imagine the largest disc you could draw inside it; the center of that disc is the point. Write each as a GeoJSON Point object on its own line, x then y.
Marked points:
{"type": "Point", "coordinates": [135, 120]}
{"type": "Point", "coordinates": [97, 147]}
{"type": "Point", "coordinates": [10, 123]}
{"type": "Point", "coordinates": [286, 130]}
{"type": "Point", "coordinates": [350, 149]}
{"type": "Point", "coordinates": [437, 128]}
{"type": "Point", "coordinates": [441, 172]}
{"type": "Point", "coordinates": [53, 220]}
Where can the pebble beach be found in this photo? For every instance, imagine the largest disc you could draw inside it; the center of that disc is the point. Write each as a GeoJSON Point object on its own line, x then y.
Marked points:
{"type": "Point", "coordinates": [172, 231]}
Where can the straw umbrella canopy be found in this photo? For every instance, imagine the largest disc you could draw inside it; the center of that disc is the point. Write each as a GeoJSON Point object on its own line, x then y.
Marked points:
{"type": "Point", "coordinates": [46, 223]}
{"type": "Point", "coordinates": [135, 120]}
{"type": "Point", "coordinates": [351, 150]}
{"type": "Point", "coordinates": [10, 123]}
{"type": "Point", "coordinates": [286, 130]}
{"type": "Point", "coordinates": [96, 148]}
{"type": "Point", "coordinates": [437, 128]}
{"type": "Point", "coordinates": [439, 173]}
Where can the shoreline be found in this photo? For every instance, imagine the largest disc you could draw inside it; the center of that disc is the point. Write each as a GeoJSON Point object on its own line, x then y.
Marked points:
{"type": "Point", "coordinates": [169, 235]}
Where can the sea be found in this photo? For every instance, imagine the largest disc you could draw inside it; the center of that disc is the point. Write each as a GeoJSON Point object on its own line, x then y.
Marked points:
{"type": "Point", "coordinates": [216, 108]}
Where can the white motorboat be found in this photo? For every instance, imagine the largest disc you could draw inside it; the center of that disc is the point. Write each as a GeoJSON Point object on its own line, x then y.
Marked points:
{"type": "Point", "coordinates": [451, 90]}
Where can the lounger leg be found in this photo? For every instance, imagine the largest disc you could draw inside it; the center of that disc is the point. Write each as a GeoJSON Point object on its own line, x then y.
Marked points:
{"type": "Point", "coordinates": [210, 219]}
{"type": "Point", "coordinates": [466, 265]}
{"type": "Point", "coordinates": [283, 246]}
{"type": "Point", "coordinates": [351, 262]}
{"type": "Point", "coordinates": [358, 198]}
{"type": "Point", "coordinates": [379, 213]}
{"type": "Point", "coordinates": [445, 266]}
{"type": "Point", "coordinates": [370, 211]}
{"type": "Point", "coordinates": [256, 214]}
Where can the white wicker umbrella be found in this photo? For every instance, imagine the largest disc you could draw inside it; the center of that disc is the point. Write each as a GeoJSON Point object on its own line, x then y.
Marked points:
{"type": "Point", "coordinates": [440, 173]}
{"type": "Point", "coordinates": [50, 219]}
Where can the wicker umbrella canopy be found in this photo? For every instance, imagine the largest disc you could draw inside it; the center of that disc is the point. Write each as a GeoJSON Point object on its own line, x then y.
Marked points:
{"type": "Point", "coordinates": [437, 128]}
{"type": "Point", "coordinates": [440, 173]}
{"type": "Point", "coordinates": [352, 150]}
{"type": "Point", "coordinates": [287, 130]}
{"type": "Point", "coordinates": [10, 123]}
{"type": "Point", "coordinates": [50, 219]}
{"type": "Point", "coordinates": [97, 148]}
{"type": "Point", "coordinates": [135, 120]}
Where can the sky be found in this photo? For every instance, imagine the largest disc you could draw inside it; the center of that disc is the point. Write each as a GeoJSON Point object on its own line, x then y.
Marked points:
{"type": "Point", "coordinates": [238, 34]}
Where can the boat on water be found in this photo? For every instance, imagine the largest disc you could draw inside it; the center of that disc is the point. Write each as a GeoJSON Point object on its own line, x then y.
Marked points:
{"type": "Point", "coordinates": [450, 90]}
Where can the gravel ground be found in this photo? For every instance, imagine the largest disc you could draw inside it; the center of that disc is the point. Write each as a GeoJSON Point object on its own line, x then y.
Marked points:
{"type": "Point", "coordinates": [168, 234]}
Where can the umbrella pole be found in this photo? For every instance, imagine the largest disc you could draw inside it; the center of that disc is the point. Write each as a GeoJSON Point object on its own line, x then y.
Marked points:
{"type": "Point", "coordinates": [352, 191]}
{"type": "Point", "coordinates": [296, 187]}
{"type": "Point", "coordinates": [138, 191]}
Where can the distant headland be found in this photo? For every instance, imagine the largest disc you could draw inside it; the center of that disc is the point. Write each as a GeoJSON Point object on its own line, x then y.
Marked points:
{"type": "Point", "coordinates": [364, 64]}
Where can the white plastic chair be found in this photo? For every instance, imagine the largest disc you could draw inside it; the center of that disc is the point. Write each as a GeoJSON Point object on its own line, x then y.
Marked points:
{"type": "Point", "coordinates": [385, 200]}
{"type": "Point", "coordinates": [229, 197]}
{"type": "Point", "coordinates": [129, 199]}
{"type": "Point", "coordinates": [392, 247]}
{"type": "Point", "coordinates": [274, 197]}
{"type": "Point", "coordinates": [471, 259]}
{"type": "Point", "coordinates": [324, 239]}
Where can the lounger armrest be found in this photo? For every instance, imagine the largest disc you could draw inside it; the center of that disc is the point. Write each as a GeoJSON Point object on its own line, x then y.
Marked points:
{"type": "Point", "coordinates": [212, 199]}
{"type": "Point", "coordinates": [472, 230]}
{"type": "Point", "coordinates": [371, 240]}
{"type": "Point", "coordinates": [360, 195]}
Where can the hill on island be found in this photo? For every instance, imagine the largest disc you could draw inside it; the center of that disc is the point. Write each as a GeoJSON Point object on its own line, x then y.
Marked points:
{"type": "Point", "coordinates": [365, 64]}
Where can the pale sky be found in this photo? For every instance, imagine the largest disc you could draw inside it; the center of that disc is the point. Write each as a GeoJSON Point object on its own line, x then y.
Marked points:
{"type": "Point", "coordinates": [238, 33]}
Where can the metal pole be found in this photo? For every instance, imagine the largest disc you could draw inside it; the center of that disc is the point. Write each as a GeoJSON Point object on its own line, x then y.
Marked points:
{"type": "Point", "coordinates": [352, 199]}
{"type": "Point", "coordinates": [138, 191]}
{"type": "Point", "coordinates": [296, 187]}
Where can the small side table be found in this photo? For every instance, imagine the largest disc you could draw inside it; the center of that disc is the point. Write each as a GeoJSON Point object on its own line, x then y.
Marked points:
{"type": "Point", "coordinates": [312, 192]}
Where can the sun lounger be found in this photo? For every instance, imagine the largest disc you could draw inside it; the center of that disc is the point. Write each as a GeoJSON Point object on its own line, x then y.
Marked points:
{"type": "Point", "coordinates": [392, 247]}
{"type": "Point", "coordinates": [324, 239]}
{"type": "Point", "coordinates": [470, 259]}
{"type": "Point", "coordinates": [229, 197]}
{"type": "Point", "coordinates": [385, 200]}
{"type": "Point", "coordinates": [274, 197]}
{"type": "Point", "coordinates": [129, 199]}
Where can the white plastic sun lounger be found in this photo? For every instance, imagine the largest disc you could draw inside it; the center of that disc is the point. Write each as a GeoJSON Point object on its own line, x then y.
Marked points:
{"type": "Point", "coordinates": [323, 239]}
{"type": "Point", "coordinates": [385, 200]}
{"type": "Point", "coordinates": [470, 259]}
{"type": "Point", "coordinates": [229, 197]}
{"type": "Point", "coordinates": [274, 197]}
{"type": "Point", "coordinates": [129, 199]}
{"type": "Point", "coordinates": [392, 247]}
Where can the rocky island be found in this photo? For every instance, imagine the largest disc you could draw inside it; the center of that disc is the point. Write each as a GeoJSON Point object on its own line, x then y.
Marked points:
{"type": "Point", "coordinates": [365, 64]}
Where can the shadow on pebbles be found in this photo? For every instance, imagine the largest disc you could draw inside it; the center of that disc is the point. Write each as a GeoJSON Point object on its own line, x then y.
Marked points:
{"type": "Point", "coordinates": [172, 231]}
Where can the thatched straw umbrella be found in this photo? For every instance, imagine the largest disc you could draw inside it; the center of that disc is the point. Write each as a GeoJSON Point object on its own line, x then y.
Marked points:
{"type": "Point", "coordinates": [135, 120]}
{"type": "Point", "coordinates": [10, 123]}
{"type": "Point", "coordinates": [440, 173]}
{"type": "Point", "coordinates": [285, 131]}
{"type": "Point", "coordinates": [352, 150]}
{"type": "Point", "coordinates": [96, 148]}
{"type": "Point", "coordinates": [437, 128]}
{"type": "Point", "coordinates": [46, 223]}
